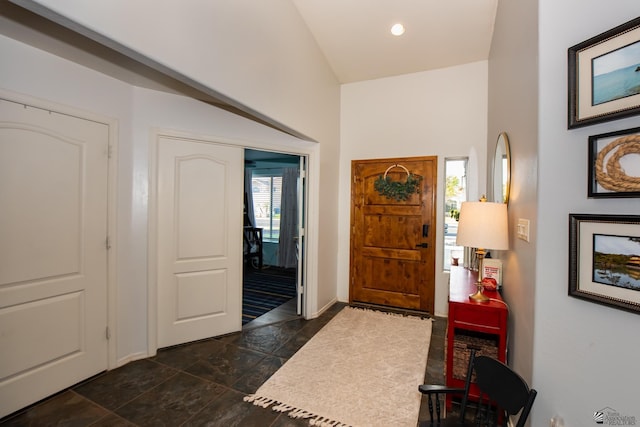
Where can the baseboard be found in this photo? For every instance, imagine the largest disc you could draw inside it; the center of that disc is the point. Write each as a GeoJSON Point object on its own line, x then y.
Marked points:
{"type": "Point", "coordinates": [132, 358]}
{"type": "Point", "coordinates": [323, 309]}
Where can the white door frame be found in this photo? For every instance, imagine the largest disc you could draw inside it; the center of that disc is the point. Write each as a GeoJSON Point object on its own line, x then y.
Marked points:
{"type": "Point", "coordinates": [112, 180]}
{"type": "Point", "coordinates": [301, 286]}
{"type": "Point", "coordinates": [308, 149]}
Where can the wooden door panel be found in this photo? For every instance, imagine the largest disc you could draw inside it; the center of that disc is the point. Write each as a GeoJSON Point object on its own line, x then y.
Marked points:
{"type": "Point", "coordinates": [392, 242]}
{"type": "Point", "coordinates": [391, 253]}
{"type": "Point", "coordinates": [392, 231]}
{"type": "Point", "coordinates": [397, 275]}
{"type": "Point", "coordinates": [389, 282]}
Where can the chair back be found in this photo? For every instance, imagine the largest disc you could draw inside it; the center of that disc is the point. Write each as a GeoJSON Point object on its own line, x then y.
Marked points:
{"type": "Point", "coordinates": [503, 393]}
{"type": "Point", "coordinates": [504, 387]}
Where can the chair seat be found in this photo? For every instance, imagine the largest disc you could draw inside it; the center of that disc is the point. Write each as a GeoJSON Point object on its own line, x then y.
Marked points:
{"type": "Point", "coordinates": [450, 421]}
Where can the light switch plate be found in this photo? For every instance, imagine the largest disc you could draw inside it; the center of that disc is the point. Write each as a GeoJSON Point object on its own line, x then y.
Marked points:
{"type": "Point", "coordinates": [522, 229]}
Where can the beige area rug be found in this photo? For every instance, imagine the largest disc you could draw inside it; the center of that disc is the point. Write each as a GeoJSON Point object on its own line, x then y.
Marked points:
{"type": "Point", "coordinates": [362, 369]}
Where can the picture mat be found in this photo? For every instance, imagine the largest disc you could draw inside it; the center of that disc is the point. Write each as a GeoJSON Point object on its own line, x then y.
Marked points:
{"type": "Point", "coordinates": [585, 257]}
{"type": "Point", "coordinates": [585, 94]}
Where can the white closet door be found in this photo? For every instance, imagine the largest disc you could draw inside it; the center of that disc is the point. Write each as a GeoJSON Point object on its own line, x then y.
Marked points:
{"type": "Point", "coordinates": [53, 256]}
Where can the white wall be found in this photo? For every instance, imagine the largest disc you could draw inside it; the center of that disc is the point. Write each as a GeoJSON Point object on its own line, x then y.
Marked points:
{"type": "Point", "coordinates": [585, 355]}
{"type": "Point", "coordinates": [32, 72]}
{"type": "Point", "coordinates": [513, 108]}
{"type": "Point", "coordinates": [441, 112]}
{"type": "Point", "coordinates": [257, 53]}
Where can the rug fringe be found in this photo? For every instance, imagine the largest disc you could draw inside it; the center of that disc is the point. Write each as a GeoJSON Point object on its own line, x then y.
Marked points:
{"type": "Point", "coordinates": [314, 420]}
{"type": "Point", "coordinates": [263, 402]}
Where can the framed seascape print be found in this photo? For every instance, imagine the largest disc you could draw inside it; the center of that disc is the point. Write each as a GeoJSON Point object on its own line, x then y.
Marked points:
{"type": "Point", "coordinates": [604, 259]}
{"type": "Point", "coordinates": [614, 164]}
{"type": "Point", "coordinates": [604, 76]}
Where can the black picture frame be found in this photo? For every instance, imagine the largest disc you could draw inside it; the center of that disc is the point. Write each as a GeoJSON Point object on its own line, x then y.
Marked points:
{"type": "Point", "coordinates": [612, 173]}
{"type": "Point", "coordinates": [598, 100]}
{"type": "Point", "coordinates": [596, 273]}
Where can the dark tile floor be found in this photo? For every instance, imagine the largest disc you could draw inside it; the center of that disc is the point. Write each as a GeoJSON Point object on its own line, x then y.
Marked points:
{"type": "Point", "coordinates": [197, 384]}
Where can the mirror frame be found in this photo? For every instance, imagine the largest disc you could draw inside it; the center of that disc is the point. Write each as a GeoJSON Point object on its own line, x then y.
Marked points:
{"type": "Point", "coordinates": [504, 151]}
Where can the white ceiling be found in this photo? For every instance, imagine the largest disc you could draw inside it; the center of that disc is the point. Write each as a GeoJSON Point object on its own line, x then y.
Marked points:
{"type": "Point", "coordinates": [355, 37]}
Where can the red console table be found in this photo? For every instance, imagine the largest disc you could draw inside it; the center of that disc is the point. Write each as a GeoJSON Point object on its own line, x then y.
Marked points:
{"type": "Point", "coordinates": [482, 325]}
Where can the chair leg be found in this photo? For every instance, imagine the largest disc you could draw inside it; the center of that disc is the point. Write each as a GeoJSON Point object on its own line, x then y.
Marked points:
{"type": "Point", "coordinates": [438, 414]}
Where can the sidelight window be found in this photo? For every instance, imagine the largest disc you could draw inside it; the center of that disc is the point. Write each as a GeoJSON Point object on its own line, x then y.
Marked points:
{"type": "Point", "coordinates": [455, 193]}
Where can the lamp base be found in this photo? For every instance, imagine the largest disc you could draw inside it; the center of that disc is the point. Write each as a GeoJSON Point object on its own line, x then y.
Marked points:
{"type": "Point", "coordinates": [479, 296]}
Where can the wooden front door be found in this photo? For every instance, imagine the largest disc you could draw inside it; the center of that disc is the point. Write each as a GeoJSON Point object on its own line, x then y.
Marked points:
{"type": "Point", "coordinates": [393, 241]}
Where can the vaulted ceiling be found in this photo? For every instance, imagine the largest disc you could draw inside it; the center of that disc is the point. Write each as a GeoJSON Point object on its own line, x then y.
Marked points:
{"type": "Point", "coordinates": [355, 36]}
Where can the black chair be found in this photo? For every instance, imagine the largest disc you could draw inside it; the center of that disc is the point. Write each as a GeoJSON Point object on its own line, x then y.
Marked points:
{"type": "Point", "coordinates": [253, 245]}
{"type": "Point", "coordinates": [502, 393]}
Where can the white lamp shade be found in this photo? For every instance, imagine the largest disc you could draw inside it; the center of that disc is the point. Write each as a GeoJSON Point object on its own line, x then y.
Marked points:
{"type": "Point", "coordinates": [483, 225]}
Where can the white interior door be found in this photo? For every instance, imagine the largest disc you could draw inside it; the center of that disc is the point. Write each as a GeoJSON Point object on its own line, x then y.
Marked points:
{"type": "Point", "coordinates": [199, 239]}
{"type": "Point", "coordinates": [53, 256]}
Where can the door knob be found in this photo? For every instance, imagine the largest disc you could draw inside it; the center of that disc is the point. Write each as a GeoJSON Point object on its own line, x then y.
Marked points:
{"type": "Point", "coordinates": [422, 245]}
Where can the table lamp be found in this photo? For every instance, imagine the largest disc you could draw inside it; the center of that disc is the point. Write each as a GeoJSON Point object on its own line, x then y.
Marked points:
{"type": "Point", "coordinates": [482, 225]}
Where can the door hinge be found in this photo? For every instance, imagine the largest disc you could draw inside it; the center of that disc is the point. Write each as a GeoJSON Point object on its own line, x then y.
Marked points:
{"type": "Point", "coordinates": [107, 243]}
{"type": "Point", "coordinates": [107, 333]}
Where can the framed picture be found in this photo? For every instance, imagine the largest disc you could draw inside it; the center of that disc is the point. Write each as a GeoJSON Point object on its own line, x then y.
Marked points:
{"type": "Point", "coordinates": [604, 76]}
{"type": "Point", "coordinates": [614, 169]}
{"type": "Point", "coordinates": [604, 259]}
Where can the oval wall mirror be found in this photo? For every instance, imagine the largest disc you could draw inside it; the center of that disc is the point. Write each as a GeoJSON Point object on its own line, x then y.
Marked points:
{"type": "Point", "coordinates": [502, 170]}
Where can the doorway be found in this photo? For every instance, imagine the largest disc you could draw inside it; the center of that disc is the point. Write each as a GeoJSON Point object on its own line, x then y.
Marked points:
{"type": "Point", "coordinates": [273, 237]}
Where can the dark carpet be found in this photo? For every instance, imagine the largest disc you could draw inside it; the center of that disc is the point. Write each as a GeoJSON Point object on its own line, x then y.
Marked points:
{"type": "Point", "coordinates": [265, 290]}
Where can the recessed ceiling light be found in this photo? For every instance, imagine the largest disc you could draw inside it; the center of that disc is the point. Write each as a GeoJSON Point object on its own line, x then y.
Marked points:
{"type": "Point", "coordinates": [397, 30]}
